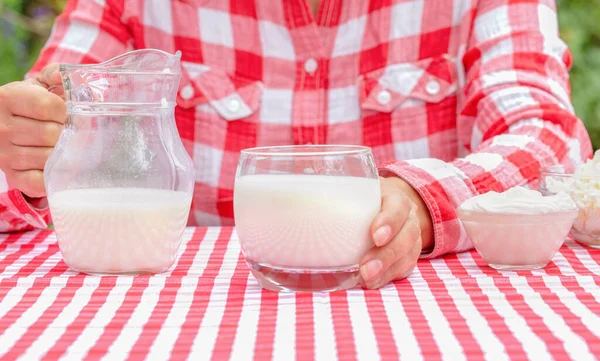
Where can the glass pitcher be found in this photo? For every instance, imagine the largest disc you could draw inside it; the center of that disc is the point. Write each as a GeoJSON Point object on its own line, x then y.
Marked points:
{"type": "Point", "coordinates": [119, 181]}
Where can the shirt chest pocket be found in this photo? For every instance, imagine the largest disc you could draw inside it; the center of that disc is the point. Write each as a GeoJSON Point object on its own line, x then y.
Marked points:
{"type": "Point", "coordinates": [213, 90]}
{"type": "Point", "coordinates": [411, 108]}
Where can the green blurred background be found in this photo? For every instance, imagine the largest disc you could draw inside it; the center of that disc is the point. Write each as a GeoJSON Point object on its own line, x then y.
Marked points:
{"type": "Point", "coordinates": [25, 24]}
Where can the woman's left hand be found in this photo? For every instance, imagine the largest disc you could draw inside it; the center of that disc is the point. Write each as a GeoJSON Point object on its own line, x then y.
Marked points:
{"type": "Point", "coordinates": [400, 232]}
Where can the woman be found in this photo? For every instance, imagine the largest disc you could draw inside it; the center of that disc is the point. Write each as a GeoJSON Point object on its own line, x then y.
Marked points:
{"type": "Point", "coordinates": [456, 98]}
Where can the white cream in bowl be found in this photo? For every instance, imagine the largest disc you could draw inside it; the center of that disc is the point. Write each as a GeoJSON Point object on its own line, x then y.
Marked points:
{"type": "Point", "coordinates": [584, 188]}
{"type": "Point", "coordinates": [518, 228]}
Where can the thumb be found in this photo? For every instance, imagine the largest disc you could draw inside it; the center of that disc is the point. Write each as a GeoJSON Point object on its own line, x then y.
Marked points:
{"type": "Point", "coordinates": [395, 209]}
{"type": "Point", "coordinates": [50, 76]}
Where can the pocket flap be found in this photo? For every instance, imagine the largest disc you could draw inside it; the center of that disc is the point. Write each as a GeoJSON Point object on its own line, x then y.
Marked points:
{"type": "Point", "coordinates": [430, 80]}
{"type": "Point", "coordinates": [232, 97]}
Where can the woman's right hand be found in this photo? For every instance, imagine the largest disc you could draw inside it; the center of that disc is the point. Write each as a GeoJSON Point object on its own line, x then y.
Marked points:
{"type": "Point", "coordinates": [31, 119]}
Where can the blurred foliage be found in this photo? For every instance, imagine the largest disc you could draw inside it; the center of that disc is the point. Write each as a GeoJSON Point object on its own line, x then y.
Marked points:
{"type": "Point", "coordinates": [25, 24]}
{"type": "Point", "coordinates": [24, 27]}
{"type": "Point", "coordinates": [580, 28]}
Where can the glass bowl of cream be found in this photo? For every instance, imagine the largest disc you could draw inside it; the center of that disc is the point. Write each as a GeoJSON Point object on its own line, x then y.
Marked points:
{"type": "Point", "coordinates": [519, 229]}
{"type": "Point", "coordinates": [584, 188]}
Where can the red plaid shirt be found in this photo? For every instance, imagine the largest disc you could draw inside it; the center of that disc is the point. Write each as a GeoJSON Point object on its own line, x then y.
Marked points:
{"type": "Point", "coordinates": [458, 97]}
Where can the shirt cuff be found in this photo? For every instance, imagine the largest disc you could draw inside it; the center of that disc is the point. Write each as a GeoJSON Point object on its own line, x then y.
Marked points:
{"type": "Point", "coordinates": [36, 215]}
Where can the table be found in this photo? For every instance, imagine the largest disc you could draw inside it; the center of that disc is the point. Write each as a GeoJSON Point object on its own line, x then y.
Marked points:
{"type": "Point", "coordinates": [209, 307]}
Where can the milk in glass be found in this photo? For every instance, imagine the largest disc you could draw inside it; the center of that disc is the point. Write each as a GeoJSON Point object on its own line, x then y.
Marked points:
{"type": "Point", "coordinates": [303, 223]}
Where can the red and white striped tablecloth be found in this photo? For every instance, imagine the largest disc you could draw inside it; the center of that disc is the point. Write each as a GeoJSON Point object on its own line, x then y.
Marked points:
{"type": "Point", "coordinates": [209, 307]}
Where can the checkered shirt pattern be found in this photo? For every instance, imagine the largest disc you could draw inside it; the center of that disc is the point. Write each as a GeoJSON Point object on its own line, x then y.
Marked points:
{"type": "Point", "coordinates": [457, 97]}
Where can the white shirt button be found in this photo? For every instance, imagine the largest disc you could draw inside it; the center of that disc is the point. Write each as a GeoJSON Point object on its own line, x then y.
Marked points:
{"type": "Point", "coordinates": [187, 92]}
{"type": "Point", "coordinates": [433, 87]}
{"type": "Point", "coordinates": [311, 65]}
{"type": "Point", "coordinates": [234, 105]}
{"type": "Point", "coordinates": [384, 97]}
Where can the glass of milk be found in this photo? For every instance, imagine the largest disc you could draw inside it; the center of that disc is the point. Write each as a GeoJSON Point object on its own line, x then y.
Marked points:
{"type": "Point", "coordinates": [119, 181]}
{"type": "Point", "coordinates": [303, 214]}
